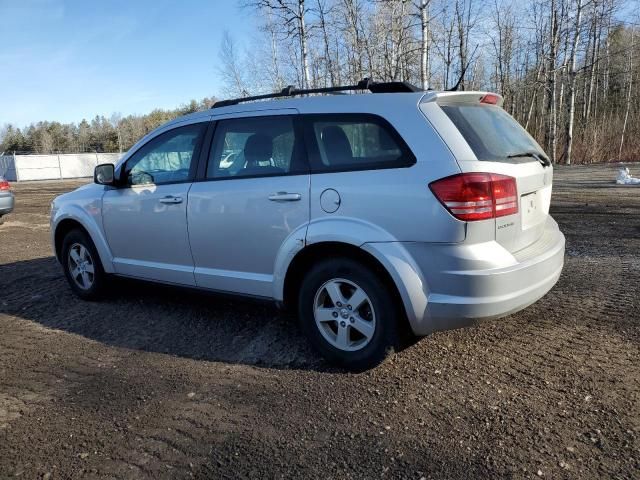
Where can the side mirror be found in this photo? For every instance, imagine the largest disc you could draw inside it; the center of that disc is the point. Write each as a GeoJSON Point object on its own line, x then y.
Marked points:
{"type": "Point", "coordinates": [104, 174]}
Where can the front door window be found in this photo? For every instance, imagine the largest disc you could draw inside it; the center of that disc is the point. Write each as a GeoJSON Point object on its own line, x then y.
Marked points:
{"type": "Point", "coordinates": [166, 159]}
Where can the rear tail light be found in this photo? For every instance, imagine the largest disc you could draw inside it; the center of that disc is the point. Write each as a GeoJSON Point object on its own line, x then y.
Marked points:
{"type": "Point", "coordinates": [477, 196]}
{"type": "Point", "coordinates": [4, 185]}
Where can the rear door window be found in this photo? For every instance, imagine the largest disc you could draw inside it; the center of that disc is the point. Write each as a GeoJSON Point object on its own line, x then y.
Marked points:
{"type": "Point", "coordinates": [256, 147]}
{"type": "Point", "coordinates": [342, 142]}
{"type": "Point", "coordinates": [491, 132]}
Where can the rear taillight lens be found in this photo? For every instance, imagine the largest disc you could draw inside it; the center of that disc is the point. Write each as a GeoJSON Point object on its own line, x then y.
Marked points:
{"type": "Point", "coordinates": [477, 196]}
{"type": "Point", "coordinates": [505, 194]}
{"type": "Point", "coordinates": [4, 185]}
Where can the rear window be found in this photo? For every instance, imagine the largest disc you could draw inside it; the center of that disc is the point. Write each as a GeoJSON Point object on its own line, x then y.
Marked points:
{"type": "Point", "coordinates": [491, 132]}
{"type": "Point", "coordinates": [355, 142]}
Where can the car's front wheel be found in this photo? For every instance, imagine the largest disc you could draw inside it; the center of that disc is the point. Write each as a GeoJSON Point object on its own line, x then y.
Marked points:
{"type": "Point", "coordinates": [82, 266]}
{"type": "Point", "coordinates": [348, 314]}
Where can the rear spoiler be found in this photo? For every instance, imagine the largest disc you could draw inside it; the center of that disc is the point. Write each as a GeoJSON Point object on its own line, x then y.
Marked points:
{"type": "Point", "coordinates": [488, 98]}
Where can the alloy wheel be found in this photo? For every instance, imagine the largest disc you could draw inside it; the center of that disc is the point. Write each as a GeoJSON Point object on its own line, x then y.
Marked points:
{"type": "Point", "coordinates": [81, 266]}
{"type": "Point", "coordinates": [344, 314]}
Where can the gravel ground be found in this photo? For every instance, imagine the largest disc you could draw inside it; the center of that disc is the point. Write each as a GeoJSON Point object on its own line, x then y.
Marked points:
{"type": "Point", "coordinates": [158, 382]}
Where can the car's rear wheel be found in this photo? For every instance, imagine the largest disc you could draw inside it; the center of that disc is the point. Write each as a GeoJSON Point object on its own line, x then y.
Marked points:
{"type": "Point", "coordinates": [82, 266]}
{"type": "Point", "coordinates": [348, 314]}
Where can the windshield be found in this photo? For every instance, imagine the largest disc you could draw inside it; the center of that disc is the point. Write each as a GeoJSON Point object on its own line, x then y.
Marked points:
{"type": "Point", "coordinates": [492, 133]}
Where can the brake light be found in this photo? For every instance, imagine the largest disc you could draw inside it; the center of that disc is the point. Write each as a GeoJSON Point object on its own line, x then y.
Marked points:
{"type": "Point", "coordinates": [477, 196]}
{"type": "Point", "coordinates": [4, 185]}
{"type": "Point", "coordinates": [490, 99]}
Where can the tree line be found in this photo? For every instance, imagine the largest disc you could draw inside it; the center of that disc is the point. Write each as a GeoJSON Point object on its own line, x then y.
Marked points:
{"type": "Point", "coordinates": [568, 69]}
{"type": "Point", "coordinates": [101, 134]}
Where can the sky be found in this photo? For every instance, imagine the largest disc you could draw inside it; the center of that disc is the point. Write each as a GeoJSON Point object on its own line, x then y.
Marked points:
{"type": "Point", "coordinates": [66, 60]}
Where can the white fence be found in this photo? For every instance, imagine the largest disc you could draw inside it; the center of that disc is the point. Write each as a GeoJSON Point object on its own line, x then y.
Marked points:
{"type": "Point", "coordinates": [49, 167]}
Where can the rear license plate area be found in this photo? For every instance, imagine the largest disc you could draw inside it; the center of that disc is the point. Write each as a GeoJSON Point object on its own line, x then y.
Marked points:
{"type": "Point", "coordinates": [531, 208]}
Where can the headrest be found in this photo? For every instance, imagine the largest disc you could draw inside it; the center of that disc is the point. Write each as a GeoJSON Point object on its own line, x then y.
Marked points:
{"type": "Point", "coordinates": [258, 148]}
{"type": "Point", "coordinates": [336, 145]}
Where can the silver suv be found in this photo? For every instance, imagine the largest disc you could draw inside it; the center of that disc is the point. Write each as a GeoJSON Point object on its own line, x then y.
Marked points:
{"type": "Point", "coordinates": [370, 214]}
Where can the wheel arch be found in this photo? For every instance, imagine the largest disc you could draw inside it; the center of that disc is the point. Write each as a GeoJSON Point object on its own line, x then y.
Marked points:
{"type": "Point", "coordinates": [65, 225]}
{"type": "Point", "coordinates": [305, 258]}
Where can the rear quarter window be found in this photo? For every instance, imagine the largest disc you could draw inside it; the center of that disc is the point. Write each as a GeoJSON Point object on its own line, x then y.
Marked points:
{"type": "Point", "coordinates": [343, 142]}
{"type": "Point", "coordinates": [491, 132]}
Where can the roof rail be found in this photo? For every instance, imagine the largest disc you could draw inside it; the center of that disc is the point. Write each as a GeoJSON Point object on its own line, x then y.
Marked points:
{"type": "Point", "coordinates": [291, 91]}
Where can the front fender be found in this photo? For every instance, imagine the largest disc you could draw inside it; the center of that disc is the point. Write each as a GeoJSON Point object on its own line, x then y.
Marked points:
{"type": "Point", "coordinates": [90, 217]}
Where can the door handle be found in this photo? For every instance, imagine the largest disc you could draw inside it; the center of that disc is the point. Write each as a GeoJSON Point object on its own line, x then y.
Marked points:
{"type": "Point", "coordinates": [285, 197]}
{"type": "Point", "coordinates": [170, 199]}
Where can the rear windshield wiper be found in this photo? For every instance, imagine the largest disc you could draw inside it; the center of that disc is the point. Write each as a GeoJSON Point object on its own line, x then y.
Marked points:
{"type": "Point", "coordinates": [541, 158]}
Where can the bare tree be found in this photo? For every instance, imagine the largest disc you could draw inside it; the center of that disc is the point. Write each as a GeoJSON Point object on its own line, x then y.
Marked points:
{"type": "Point", "coordinates": [628, 100]}
{"type": "Point", "coordinates": [115, 119]}
{"type": "Point", "coordinates": [465, 22]}
{"type": "Point", "coordinates": [504, 26]}
{"type": "Point", "coordinates": [551, 73]}
{"type": "Point", "coordinates": [302, 33]}
{"type": "Point", "coordinates": [230, 69]}
{"type": "Point", "coordinates": [275, 70]}
{"type": "Point", "coordinates": [292, 15]}
{"type": "Point", "coordinates": [425, 73]}
{"type": "Point", "coordinates": [444, 43]}
{"type": "Point", "coordinates": [355, 43]}
{"type": "Point", "coordinates": [571, 84]}
{"type": "Point", "coordinates": [323, 12]}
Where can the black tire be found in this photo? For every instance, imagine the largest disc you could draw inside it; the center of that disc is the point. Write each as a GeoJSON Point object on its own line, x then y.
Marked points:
{"type": "Point", "coordinates": [385, 337]}
{"type": "Point", "coordinates": [97, 288]}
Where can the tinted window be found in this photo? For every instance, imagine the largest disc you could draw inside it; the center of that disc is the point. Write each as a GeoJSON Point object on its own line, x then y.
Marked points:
{"type": "Point", "coordinates": [258, 146]}
{"type": "Point", "coordinates": [491, 132]}
{"type": "Point", "coordinates": [167, 158]}
{"type": "Point", "coordinates": [356, 142]}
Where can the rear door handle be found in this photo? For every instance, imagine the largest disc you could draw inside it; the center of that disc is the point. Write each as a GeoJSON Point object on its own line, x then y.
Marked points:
{"type": "Point", "coordinates": [285, 197]}
{"type": "Point", "coordinates": [170, 199]}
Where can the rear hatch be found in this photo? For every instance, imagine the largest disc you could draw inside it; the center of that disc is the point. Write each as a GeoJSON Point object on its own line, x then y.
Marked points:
{"type": "Point", "coordinates": [485, 138]}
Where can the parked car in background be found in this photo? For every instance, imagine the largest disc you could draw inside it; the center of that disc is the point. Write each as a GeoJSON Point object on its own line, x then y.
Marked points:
{"type": "Point", "coordinates": [7, 199]}
{"type": "Point", "coordinates": [370, 215]}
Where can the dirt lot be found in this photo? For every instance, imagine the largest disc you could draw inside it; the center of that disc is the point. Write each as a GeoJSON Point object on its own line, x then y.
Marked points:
{"type": "Point", "coordinates": [156, 382]}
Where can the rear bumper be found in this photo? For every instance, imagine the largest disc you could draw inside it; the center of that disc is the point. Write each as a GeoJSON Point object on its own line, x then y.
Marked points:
{"type": "Point", "coordinates": [6, 203]}
{"type": "Point", "coordinates": [451, 286]}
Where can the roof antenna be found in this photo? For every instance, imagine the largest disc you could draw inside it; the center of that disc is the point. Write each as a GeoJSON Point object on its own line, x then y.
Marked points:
{"type": "Point", "coordinates": [464, 70]}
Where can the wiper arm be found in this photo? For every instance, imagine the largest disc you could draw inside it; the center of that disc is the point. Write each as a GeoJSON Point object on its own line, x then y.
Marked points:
{"type": "Point", "coordinates": [541, 158]}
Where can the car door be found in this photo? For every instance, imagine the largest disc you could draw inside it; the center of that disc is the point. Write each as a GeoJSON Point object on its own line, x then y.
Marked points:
{"type": "Point", "coordinates": [145, 219]}
{"type": "Point", "coordinates": [254, 198]}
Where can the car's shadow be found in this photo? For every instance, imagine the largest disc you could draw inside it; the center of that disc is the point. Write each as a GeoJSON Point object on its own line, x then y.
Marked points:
{"type": "Point", "coordinates": [158, 318]}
